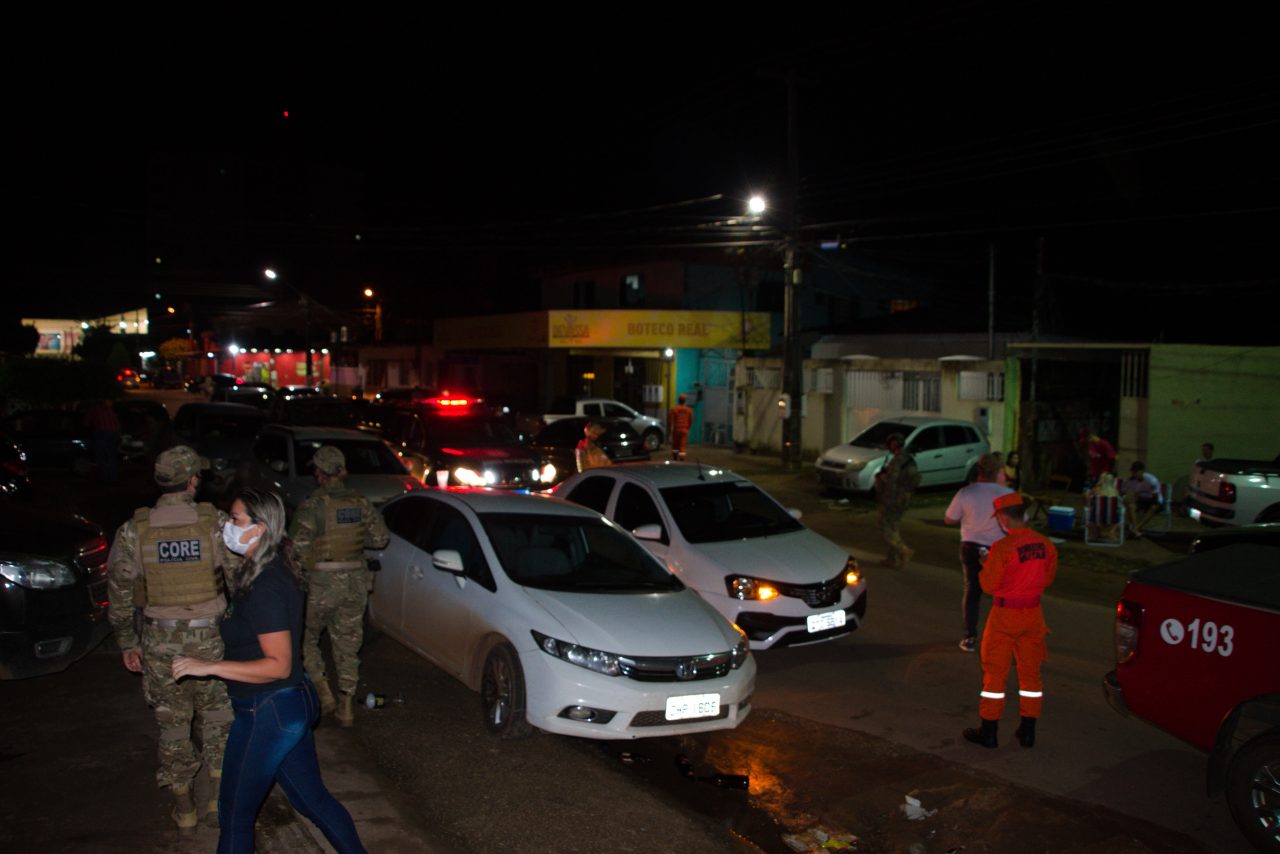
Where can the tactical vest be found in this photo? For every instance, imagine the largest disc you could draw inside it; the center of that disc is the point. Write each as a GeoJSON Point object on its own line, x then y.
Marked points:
{"type": "Point", "coordinates": [342, 541]}
{"type": "Point", "coordinates": [177, 560]}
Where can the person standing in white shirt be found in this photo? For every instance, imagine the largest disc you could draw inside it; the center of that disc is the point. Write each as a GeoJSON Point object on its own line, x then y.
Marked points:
{"type": "Point", "coordinates": [971, 510]}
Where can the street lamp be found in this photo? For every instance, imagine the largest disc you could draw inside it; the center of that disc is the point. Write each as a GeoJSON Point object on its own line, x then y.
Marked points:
{"type": "Point", "coordinates": [273, 276]}
{"type": "Point", "coordinates": [376, 312]}
{"type": "Point", "coordinates": [757, 205]}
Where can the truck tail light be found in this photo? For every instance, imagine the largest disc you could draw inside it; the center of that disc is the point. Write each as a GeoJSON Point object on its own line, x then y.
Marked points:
{"type": "Point", "coordinates": [1227, 492]}
{"type": "Point", "coordinates": [1128, 624]}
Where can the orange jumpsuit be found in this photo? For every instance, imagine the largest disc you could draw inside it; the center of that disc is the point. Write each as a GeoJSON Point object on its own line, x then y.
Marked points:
{"type": "Point", "coordinates": [1017, 571]}
{"type": "Point", "coordinates": [678, 423]}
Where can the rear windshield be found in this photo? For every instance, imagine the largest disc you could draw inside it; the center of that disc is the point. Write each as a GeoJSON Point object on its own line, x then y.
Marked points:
{"type": "Point", "coordinates": [237, 426]}
{"type": "Point", "coordinates": [875, 435]}
{"type": "Point", "coordinates": [730, 510]}
{"type": "Point", "coordinates": [573, 553]}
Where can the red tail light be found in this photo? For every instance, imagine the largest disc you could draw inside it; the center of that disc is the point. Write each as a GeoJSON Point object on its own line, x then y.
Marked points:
{"type": "Point", "coordinates": [1128, 626]}
{"type": "Point", "coordinates": [1227, 492]}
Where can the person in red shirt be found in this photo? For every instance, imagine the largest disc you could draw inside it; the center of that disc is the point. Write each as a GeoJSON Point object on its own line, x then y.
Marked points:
{"type": "Point", "coordinates": [1102, 457]}
{"type": "Point", "coordinates": [679, 420]}
{"type": "Point", "coordinates": [1018, 569]}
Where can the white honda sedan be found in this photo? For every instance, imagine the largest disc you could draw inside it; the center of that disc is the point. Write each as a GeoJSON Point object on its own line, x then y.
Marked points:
{"type": "Point", "coordinates": [559, 619]}
{"type": "Point", "coordinates": [743, 552]}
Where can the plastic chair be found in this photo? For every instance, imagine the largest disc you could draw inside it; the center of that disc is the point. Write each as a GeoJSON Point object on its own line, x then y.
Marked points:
{"type": "Point", "coordinates": [1104, 521]}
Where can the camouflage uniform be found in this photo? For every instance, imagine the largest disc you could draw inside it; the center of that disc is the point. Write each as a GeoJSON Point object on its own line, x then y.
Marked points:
{"type": "Point", "coordinates": [894, 485]}
{"type": "Point", "coordinates": [166, 628]}
{"type": "Point", "coordinates": [338, 578]}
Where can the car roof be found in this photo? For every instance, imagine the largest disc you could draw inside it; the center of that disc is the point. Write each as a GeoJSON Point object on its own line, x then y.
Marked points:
{"type": "Point", "coordinates": [664, 474]}
{"type": "Point", "coordinates": [224, 408]}
{"type": "Point", "coordinates": [503, 501]}
{"type": "Point", "coordinates": [922, 420]}
{"type": "Point", "coordinates": [306, 433]}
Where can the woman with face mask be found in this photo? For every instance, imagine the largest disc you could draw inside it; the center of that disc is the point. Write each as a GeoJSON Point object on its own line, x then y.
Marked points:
{"type": "Point", "coordinates": [275, 704]}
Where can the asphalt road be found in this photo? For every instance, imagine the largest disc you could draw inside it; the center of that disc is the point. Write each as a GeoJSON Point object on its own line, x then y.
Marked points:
{"type": "Point", "coordinates": [877, 714]}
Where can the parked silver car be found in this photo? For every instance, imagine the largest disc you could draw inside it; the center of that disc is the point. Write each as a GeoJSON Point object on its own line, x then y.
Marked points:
{"type": "Point", "coordinates": [946, 451]}
{"type": "Point", "coordinates": [280, 460]}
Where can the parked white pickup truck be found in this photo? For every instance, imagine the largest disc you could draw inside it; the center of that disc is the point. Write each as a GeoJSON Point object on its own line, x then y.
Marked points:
{"type": "Point", "coordinates": [651, 430]}
{"type": "Point", "coordinates": [1235, 492]}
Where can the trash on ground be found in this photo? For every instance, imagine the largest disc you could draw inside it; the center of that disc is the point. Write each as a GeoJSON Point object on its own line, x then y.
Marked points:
{"type": "Point", "coordinates": [629, 758]}
{"type": "Point", "coordinates": [914, 811]}
{"type": "Point", "coordinates": [377, 701]}
{"type": "Point", "coordinates": [817, 840]}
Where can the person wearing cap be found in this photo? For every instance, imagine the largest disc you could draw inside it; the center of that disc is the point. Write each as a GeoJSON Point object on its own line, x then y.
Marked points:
{"type": "Point", "coordinates": [679, 422]}
{"type": "Point", "coordinates": [330, 532]}
{"type": "Point", "coordinates": [895, 483]}
{"type": "Point", "coordinates": [1018, 569]}
{"type": "Point", "coordinates": [979, 530]}
{"type": "Point", "coordinates": [168, 561]}
{"type": "Point", "coordinates": [588, 454]}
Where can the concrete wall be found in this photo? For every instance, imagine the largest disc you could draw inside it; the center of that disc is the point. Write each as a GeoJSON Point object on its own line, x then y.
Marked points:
{"type": "Point", "coordinates": [830, 419]}
{"type": "Point", "coordinates": [1229, 396]}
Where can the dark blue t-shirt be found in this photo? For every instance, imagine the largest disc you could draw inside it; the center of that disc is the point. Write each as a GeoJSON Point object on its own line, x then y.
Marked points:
{"type": "Point", "coordinates": [274, 603]}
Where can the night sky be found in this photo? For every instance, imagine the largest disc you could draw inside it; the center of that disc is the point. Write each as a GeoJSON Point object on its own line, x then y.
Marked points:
{"type": "Point", "coordinates": [1130, 159]}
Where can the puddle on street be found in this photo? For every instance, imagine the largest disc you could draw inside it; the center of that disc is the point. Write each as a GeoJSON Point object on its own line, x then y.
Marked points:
{"type": "Point", "coordinates": [687, 772]}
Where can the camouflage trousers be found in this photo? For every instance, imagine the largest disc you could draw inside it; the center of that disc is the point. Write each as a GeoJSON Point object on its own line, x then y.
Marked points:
{"type": "Point", "coordinates": [190, 710]}
{"type": "Point", "coordinates": [335, 601]}
{"type": "Point", "coordinates": [889, 522]}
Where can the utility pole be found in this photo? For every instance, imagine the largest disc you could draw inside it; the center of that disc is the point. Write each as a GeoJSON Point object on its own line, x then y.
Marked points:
{"type": "Point", "coordinates": [792, 364]}
{"type": "Point", "coordinates": [991, 301]}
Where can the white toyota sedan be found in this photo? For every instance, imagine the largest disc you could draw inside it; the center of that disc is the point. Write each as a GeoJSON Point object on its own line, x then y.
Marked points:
{"type": "Point", "coordinates": [559, 619]}
{"type": "Point", "coordinates": [726, 538]}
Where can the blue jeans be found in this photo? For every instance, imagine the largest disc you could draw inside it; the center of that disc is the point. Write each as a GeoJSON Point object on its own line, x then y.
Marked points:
{"type": "Point", "coordinates": [271, 742]}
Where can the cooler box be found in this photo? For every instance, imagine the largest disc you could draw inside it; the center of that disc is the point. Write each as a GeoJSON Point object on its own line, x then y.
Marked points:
{"type": "Point", "coordinates": [1062, 518]}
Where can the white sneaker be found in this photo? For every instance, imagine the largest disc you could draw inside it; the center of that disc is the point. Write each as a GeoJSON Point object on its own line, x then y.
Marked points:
{"type": "Point", "coordinates": [969, 645]}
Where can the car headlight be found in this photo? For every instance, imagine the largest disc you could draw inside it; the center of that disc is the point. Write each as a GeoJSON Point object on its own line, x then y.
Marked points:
{"type": "Point", "coordinates": [547, 475]}
{"type": "Point", "coordinates": [592, 659]}
{"type": "Point", "coordinates": [37, 573]}
{"type": "Point", "coordinates": [852, 574]}
{"type": "Point", "coordinates": [856, 465]}
{"type": "Point", "coordinates": [746, 587]}
{"type": "Point", "coordinates": [742, 651]}
{"type": "Point", "coordinates": [468, 477]}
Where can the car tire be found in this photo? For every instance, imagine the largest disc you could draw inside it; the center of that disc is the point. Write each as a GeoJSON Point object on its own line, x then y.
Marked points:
{"type": "Point", "coordinates": [502, 693]}
{"type": "Point", "coordinates": [1252, 794]}
{"type": "Point", "coordinates": [652, 440]}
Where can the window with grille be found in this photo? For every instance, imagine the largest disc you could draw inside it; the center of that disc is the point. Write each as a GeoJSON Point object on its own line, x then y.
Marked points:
{"type": "Point", "coordinates": [921, 392]}
{"type": "Point", "coordinates": [981, 385]}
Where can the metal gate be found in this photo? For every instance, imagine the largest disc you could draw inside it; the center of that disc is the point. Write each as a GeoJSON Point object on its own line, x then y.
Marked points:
{"type": "Point", "coordinates": [716, 378]}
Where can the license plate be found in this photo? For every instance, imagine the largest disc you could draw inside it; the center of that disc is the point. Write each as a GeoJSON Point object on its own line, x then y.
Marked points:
{"type": "Point", "coordinates": [822, 622]}
{"type": "Point", "coordinates": [693, 706]}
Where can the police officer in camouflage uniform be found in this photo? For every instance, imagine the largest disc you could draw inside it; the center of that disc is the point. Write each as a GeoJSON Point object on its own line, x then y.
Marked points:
{"type": "Point", "coordinates": [330, 531]}
{"type": "Point", "coordinates": [895, 483]}
{"type": "Point", "coordinates": [168, 561]}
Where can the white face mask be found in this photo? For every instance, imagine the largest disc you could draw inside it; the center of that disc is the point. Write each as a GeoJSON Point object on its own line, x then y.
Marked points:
{"type": "Point", "coordinates": [231, 536]}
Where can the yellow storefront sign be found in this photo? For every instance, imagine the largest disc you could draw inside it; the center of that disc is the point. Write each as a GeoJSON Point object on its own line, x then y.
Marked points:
{"type": "Point", "coordinates": [610, 329]}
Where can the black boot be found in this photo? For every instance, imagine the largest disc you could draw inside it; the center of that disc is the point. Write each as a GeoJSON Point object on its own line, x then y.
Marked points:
{"type": "Point", "coordinates": [1026, 732]}
{"type": "Point", "coordinates": [986, 736]}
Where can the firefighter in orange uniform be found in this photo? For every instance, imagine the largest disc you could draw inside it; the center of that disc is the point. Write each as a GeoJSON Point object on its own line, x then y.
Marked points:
{"type": "Point", "coordinates": [679, 420]}
{"type": "Point", "coordinates": [1018, 569]}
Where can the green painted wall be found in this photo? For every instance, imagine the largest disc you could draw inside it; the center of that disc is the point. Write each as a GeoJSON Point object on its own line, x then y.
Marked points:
{"type": "Point", "coordinates": [1229, 396]}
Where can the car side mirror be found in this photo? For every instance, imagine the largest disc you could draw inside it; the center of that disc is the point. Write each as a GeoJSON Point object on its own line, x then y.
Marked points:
{"type": "Point", "coordinates": [447, 560]}
{"type": "Point", "coordinates": [795, 512]}
{"type": "Point", "coordinates": [651, 531]}
{"type": "Point", "coordinates": [279, 466]}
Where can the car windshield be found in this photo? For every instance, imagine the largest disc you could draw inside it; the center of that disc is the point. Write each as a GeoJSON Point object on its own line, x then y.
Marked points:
{"type": "Point", "coordinates": [363, 456]}
{"type": "Point", "coordinates": [469, 431]}
{"type": "Point", "coordinates": [729, 510]}
{"type": "Point", "coordinates": [874, 436]}
{"type": "Point", "coordinates": [573, 553]}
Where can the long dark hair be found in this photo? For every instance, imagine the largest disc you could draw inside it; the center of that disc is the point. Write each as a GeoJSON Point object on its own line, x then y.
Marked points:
{"type": "Point", "coordinates": [264, 508]}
